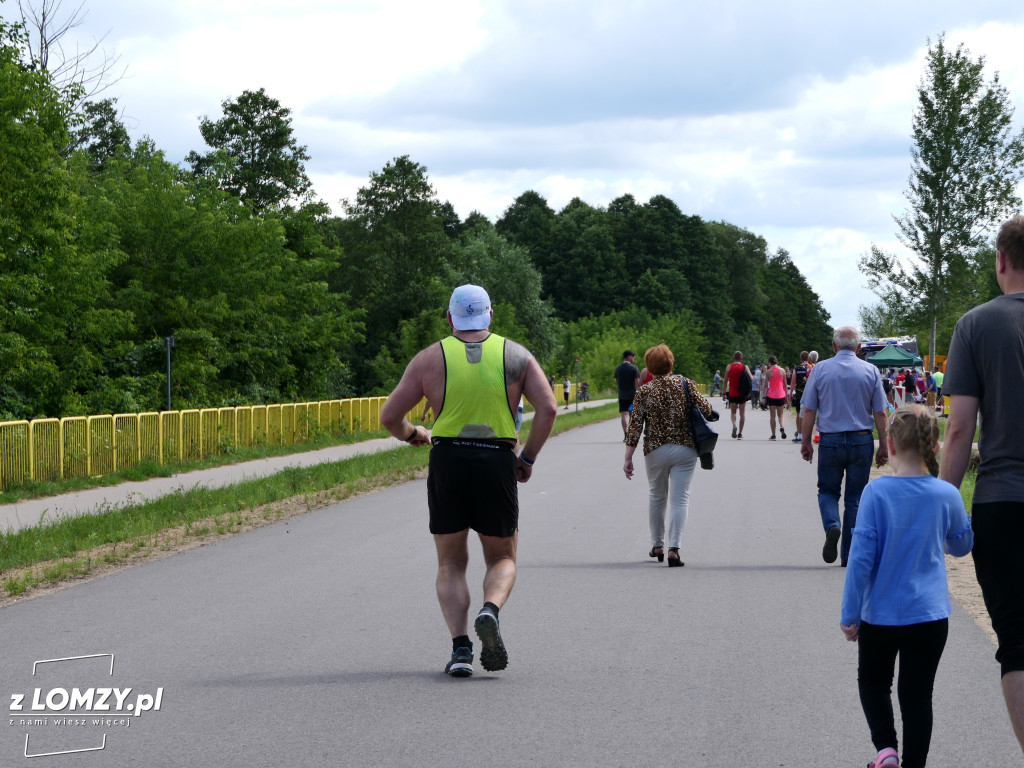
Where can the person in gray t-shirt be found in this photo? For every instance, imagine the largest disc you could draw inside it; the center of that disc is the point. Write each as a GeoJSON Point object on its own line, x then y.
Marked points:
{"type": "Point", "coordinates": [984, 373]}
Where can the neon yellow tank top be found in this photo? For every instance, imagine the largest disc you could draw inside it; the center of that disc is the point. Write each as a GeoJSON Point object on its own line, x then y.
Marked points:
{"type": "Point", "coordinates": [475, 398]}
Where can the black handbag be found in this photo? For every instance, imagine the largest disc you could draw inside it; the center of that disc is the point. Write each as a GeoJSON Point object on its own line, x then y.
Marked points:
{"type": "Point", "coordinates": [704, 436]}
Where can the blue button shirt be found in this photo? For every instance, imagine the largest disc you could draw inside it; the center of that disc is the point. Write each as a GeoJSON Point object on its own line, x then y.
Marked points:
{"type": "Point", "coordinates": [845, 391]}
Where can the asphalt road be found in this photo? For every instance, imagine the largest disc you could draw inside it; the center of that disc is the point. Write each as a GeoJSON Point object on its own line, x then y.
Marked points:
{"type": "Point", "coordinates": [318, 641]}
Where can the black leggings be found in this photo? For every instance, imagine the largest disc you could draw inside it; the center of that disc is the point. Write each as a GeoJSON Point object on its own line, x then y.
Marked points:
{"type": "Point", "coordinates": [919, 647]}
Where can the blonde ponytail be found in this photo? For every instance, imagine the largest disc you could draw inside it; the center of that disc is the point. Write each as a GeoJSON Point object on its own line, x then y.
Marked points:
{"type": "Point", "coordinates": [915, 428]}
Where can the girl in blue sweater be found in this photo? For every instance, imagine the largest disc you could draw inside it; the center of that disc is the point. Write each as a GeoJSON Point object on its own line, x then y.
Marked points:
{"type": "Point", "coordinates": [896, 598]}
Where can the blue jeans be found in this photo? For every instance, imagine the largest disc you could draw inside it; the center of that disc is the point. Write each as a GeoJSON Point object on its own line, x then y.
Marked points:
{"type": "Point", "coordinates": [840, 453]}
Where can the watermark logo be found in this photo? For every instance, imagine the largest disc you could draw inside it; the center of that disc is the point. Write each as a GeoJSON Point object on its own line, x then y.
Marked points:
{"type": "Point", "coordinates": [58, 717]}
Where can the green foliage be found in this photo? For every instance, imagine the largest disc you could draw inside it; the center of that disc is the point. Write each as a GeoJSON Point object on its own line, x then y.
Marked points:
{"type": "Point", "coordinates": [100, 132]}
{"type": "Point", "coordinates": [792, 306]}
{"type": "Point", "coordinates": [881, 320]}
{"type": "Point", "coordinates": [53, 318]}
{"type": "Point", "coordinates": [267, 165]}
{"type": "Point", "coordinates": [253, 320]}
{"type": "Point", "coordinates": [513, 283]}
{"type": "Point", "coordinates": [600, 341]}
{"type": "Point", "coordinates": [106, 249]}
{"type": "Point", "coordinates": [395, 246]}
{"type": "Point", "coordinates": [527, 223]}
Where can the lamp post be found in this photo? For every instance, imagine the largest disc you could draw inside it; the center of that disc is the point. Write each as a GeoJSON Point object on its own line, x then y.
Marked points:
{"type": "Point", "coordinates": [169, 343]}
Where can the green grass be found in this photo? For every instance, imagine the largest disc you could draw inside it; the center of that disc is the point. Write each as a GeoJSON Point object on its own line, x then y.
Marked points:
{"type": "Point", "coordinates": [198, 508]}
{"type": "Point", "coordinates": [65, 545]}
{"type": "Point", "coordinates": [967, 488]}
{"type": "Point", "coordinates": [147, 469]}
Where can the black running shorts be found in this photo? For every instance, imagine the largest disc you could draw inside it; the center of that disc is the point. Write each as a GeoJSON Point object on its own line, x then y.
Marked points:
{"type": "Point", "coordinates": [998, 528]}
{"type": "Point", "coordinates": [472, 484]}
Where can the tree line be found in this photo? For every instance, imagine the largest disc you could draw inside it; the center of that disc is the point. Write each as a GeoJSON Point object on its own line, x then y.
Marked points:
{"type": "Point", "coordinates": [107, 248]}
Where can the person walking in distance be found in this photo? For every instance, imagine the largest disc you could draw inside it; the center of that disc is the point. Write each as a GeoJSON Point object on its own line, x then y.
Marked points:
{"type": "Point", "coordinates": [627, 377]}
{"type": "Point", "coordinates": [812, 360]}
{"type": "Point", "coordinates": [670, 449]}
{"type": "Point", "coordinates": [777, 396]}
{"type": "Point", "coordinates": [734, 391]}
{"type": "Point", "coordinates": [796, 387]}
{"type": "Point", "coordinates": [843, 395]}
{"type": "Point", "coordinates": [759, 383]}
{"type": "Point", "coordinates": [473, 380]}
{"type": "Point", "coordinates": [938, 377]}
{"type": "Point", "coordinates": [983, 377]}
{"type": "Point", "coordinates": [896, 599]}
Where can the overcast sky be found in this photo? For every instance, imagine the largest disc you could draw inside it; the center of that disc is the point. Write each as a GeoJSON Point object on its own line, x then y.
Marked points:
{"type": "Point", "coordinates": [791, 119]}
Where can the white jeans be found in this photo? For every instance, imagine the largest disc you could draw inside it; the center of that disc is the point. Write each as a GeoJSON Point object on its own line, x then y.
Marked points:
{"type": "Point", "coordinates": [669, 472]}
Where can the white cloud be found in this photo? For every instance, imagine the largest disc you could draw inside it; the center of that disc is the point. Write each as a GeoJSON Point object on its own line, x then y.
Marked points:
{"type": "Point", "coordinates": [790, 120]}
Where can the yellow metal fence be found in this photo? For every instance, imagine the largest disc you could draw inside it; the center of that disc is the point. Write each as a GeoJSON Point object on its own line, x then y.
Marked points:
{"type": "Point", "coordinates": [91, 446]}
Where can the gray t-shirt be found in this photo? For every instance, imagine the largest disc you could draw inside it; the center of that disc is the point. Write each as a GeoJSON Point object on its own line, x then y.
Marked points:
{"type": "Point", "coordinates": [986, 361]}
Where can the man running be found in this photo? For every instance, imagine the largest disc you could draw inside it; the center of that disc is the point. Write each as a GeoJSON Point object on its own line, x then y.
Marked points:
{"type": "Point", "coordinates": [734, 393]}
{"type": "Point", "coordinates": [473, 380]}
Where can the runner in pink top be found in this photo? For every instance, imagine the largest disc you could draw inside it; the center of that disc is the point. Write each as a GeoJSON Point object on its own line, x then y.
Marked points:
{"type": "Point", "coordinates": [778, 396]}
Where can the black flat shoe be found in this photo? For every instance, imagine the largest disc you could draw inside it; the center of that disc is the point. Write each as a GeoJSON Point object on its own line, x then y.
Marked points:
{"type": "Point", "coordinates": [659, 555]}
{"type": "Point", "coordinates": [674, 562]}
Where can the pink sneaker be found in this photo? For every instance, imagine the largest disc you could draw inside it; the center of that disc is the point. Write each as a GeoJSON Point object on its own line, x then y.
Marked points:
{"type": "Point", "coordinates": [887, 758]}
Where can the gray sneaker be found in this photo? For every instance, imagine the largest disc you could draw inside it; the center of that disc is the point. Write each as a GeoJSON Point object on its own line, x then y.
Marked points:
{"type": "Point", "coordinates": [493, 655]}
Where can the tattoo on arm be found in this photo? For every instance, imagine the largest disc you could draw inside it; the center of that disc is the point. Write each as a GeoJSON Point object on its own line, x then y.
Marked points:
{"type": "Point", "coordinates": [516, 358]}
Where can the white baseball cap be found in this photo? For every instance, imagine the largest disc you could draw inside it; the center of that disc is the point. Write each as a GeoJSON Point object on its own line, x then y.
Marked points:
{"type": "Point", "coordinates": [470, 308]}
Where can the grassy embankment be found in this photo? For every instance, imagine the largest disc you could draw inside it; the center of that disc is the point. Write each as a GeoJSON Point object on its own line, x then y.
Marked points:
{"type": "Point", "coordinates": [75, 547]}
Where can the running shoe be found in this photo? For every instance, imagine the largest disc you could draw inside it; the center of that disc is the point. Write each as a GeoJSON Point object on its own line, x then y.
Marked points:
{"type": "Point", "coordinates": [493, 655]}
{"type": "Point", "coordinates": [782, 432]}
{"type": "Point", "coordinates": [830, 551]}
{"type": "Point", "coordinates": [887, 758]}
{"type": "Point", "coordinates": [734, 430]}
{"type": "Point", "coordinates": [461, 664]}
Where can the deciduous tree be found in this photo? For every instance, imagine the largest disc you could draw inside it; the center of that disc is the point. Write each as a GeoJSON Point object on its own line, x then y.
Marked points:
{"type": "Point", "coordinates": [267, 167]}
{"type": "Point", "coordinates": [395, 244]}
{"type": "Point", "coordinates": [966, 162]}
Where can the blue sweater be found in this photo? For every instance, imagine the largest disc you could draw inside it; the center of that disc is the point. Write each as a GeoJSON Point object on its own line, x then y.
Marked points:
{"type": "Point", "coordinates": [896, 574]}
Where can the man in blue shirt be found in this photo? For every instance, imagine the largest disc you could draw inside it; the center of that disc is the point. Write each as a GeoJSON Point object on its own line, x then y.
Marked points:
{"type": "Point", "coordinates": [844, 394]}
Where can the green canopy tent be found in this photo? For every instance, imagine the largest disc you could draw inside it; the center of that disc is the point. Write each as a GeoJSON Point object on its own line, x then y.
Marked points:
{"type": "Point", "coordinates": [895, 357]}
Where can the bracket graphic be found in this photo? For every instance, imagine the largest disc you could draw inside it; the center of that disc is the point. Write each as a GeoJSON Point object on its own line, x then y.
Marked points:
{"type": "Point", "coordinates": [67, 751]}
{"type": "Point", "coordinates": [75, 658]}
{"type": "Point", "coordinates": [35, 664]}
